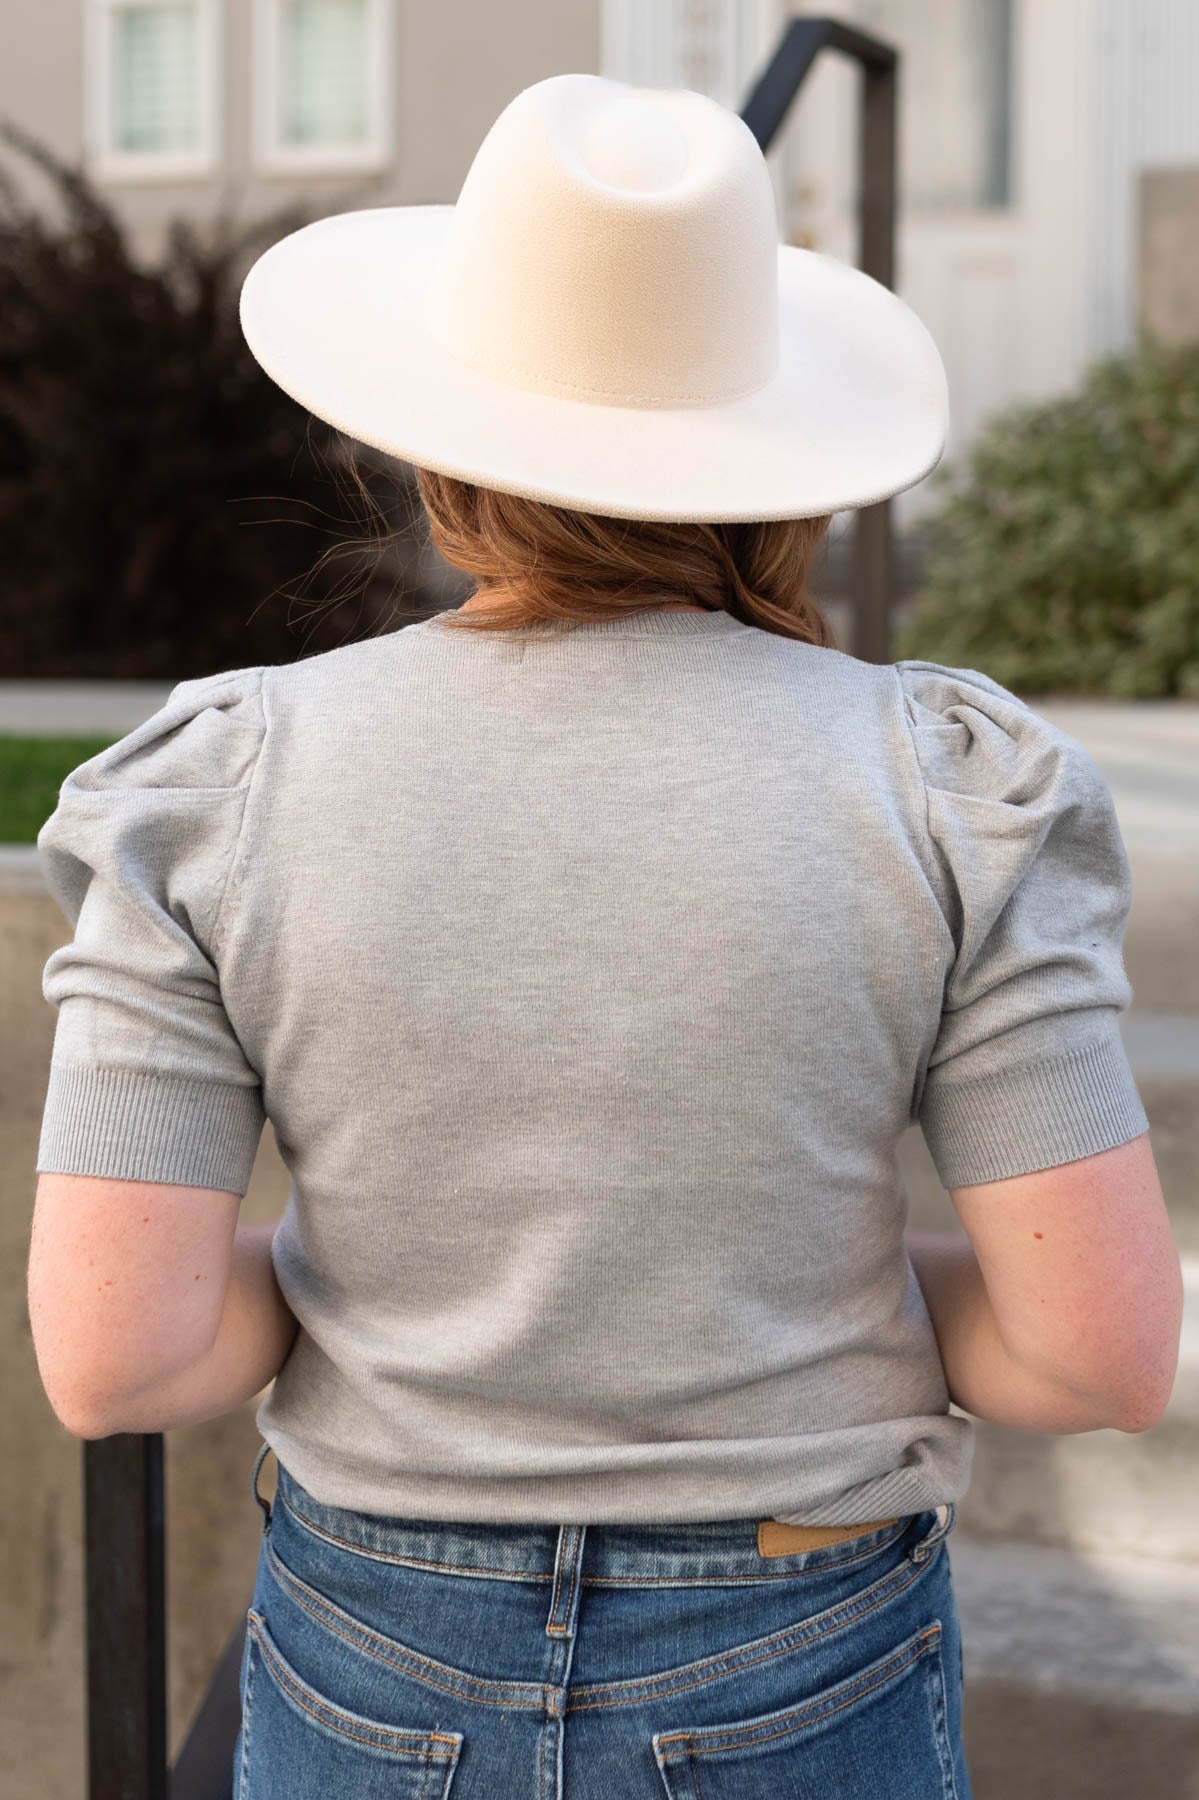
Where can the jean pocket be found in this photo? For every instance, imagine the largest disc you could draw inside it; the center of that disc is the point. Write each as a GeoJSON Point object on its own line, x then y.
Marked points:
{"type": "Point", "coordinates": [882, 1732]}
{"type": "Point", "coordinates": [296, 1742]}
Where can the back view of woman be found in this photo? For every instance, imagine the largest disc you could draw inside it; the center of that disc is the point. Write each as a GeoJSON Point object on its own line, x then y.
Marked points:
{"type": "Point", "coordinates": [591, 949]}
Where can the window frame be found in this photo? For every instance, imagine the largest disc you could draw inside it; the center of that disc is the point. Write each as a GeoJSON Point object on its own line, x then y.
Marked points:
{"type": "Point", "coordinates": [105, 160]}
{"type": "Point", "coordinates": [915, 200]}
{"type": "Point", "coordinates": [273, 157]}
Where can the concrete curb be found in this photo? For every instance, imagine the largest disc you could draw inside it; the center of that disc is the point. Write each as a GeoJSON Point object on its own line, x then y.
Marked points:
{"type": "Point", "coordinates": [21, 870]}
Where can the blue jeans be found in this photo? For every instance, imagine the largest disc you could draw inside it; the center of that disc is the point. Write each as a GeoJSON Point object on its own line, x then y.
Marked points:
{"type": "Point", "coordinates": [400, 1659]}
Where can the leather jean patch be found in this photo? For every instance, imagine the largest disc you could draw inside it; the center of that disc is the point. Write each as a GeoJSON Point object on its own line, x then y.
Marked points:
{"type": "Point", "coordinates": [777, 1539]}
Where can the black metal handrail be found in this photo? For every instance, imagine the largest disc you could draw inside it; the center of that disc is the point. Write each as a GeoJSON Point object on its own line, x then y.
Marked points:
{"type": "Point", "coordinates": [124, 1493]}
{"type": "Point", "coordinates": [769, 101]}
{"type": "Point", "coordinates": [124, 1528]}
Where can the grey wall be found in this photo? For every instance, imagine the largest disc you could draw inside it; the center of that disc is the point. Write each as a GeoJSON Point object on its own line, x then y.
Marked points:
{"type": "Point", "coordinates": [457, 67]}
{"type": "Point", "coordinates": [1168, 253]}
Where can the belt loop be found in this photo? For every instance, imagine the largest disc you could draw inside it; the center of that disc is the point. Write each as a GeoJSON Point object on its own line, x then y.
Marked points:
{"type": "Point", "coordinates": [567, 1583]}
{"type": "Point", "coordinates": [940, 1530]}
{"type": "Point", "coordinates": [264, 1504]}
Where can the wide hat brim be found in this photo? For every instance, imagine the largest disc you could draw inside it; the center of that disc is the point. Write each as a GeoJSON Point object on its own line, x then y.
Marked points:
{"type": "Point", "coordinates": [856, 411]}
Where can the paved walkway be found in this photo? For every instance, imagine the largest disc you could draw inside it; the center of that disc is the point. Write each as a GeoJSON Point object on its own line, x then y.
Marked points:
{"type": "Point", "coordinates": [70, 708]}
{"type": "Point", "coordinates": [1149, 752]}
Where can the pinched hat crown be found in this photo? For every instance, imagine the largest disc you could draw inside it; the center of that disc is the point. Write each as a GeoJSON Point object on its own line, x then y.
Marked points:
{"type": "Point", "coordinates": [616, 245]}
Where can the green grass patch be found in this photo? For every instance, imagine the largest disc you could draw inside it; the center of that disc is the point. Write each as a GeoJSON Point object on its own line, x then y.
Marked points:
{"type": "Point", "coordinates": [32, 769]}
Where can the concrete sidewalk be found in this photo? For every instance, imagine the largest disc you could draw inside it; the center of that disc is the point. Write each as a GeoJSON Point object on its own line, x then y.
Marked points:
{"type": "Point", "coordinates": [78, 708]}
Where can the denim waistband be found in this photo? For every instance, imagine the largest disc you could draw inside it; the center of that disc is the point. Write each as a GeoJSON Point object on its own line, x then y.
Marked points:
{"type": "Point", "coordinates": [702, 1550]}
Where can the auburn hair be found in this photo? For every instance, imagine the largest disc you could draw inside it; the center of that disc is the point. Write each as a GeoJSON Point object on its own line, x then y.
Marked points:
{"type": "Point", "coordinates": [549, 562]}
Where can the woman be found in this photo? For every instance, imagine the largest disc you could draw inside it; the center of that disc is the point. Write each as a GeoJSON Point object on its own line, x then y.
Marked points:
{"type": "Point", "coordinates": [590, 949]}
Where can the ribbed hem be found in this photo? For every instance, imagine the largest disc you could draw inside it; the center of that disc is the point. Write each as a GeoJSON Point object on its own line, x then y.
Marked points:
{"type": "Point", "coordinates": [1033, 1116]}
{"type": "Point", "coordinates": [127, 1125]}
{"type": "Point", "coordinates": [361, 1470]}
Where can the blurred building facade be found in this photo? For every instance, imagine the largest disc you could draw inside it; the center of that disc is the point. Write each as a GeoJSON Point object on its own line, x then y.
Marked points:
{"type": "Point", "coordinates": [1024, 128]}
{"type": "Point", "coordinates": [181, 107]}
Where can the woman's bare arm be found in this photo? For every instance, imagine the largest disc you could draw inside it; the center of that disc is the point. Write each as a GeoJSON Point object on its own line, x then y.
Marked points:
{"type": "Point", "coordinates": [253, 1340]}
{"type": "Point", "coordinates": [150, 1307]}
{"type": "Point", "coordinates": [982, 1376]}
{"type": "Point", "coordinates": [1061, 1308]}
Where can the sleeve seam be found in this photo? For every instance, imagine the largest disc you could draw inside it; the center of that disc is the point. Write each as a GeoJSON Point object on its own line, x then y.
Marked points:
{"type": "Point", "coordinates": [98, 1066]}
{"type": "Point", "coordinates": [925, 847]}
{"type": "Point", "coordinates": [935, 876]}
{"type": "Point", "coordinates": [218, 928]}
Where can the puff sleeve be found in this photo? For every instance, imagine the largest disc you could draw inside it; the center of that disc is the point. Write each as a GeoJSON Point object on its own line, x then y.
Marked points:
{"type": "Point", "coordinates": [148, 1081]}
{"type": "Point", "coordinates": [1028, 1068]}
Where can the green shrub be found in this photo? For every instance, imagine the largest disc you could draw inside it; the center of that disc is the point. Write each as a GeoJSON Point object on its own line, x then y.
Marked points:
{"type": "Point", "coordinates": [32, 770]}
{"type": "Point", "coordinates": [1066, 556]}
{"type": "Point", "coordinates": [161, 499]}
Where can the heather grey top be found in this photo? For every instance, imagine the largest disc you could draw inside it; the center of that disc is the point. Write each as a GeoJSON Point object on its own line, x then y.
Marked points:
{"type": "Point", "coordinates": [590, 979]}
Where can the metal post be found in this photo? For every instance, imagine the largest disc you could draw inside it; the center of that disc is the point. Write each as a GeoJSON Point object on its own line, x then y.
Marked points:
{"type": "Point", "coordinates": [764, 111]}
{"type": "Point", "coordinates": [874, 541]}
{"type": "Point", "coordinates": [125, 1617]}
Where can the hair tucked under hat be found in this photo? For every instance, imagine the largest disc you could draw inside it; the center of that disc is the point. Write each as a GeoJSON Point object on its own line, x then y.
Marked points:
{"type": "Point", "coordinates": [554, 562]}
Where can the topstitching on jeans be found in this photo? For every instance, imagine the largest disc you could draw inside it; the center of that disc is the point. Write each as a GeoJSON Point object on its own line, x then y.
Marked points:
{"type": "Point", "coordinates": [488, 1571]}
{"type": "Point", "coordinates": [394, 1654]}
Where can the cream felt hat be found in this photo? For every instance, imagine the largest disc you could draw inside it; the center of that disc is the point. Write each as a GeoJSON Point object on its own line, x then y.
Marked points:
{"type": "Point", "coordinates": [606, 319]}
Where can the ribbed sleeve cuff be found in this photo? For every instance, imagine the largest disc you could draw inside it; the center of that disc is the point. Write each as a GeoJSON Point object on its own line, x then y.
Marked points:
{"type": "Point", "coordinates": [1018, 1120]}
{"type": "Point", "coordinates": [131, 1126]}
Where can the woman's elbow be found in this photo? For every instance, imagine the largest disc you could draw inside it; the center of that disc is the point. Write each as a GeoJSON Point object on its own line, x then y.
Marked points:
{"type": "Point", "coordinates": [1146, 1411]}
{"type": "Point", "coordinates": [81, 1414]}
